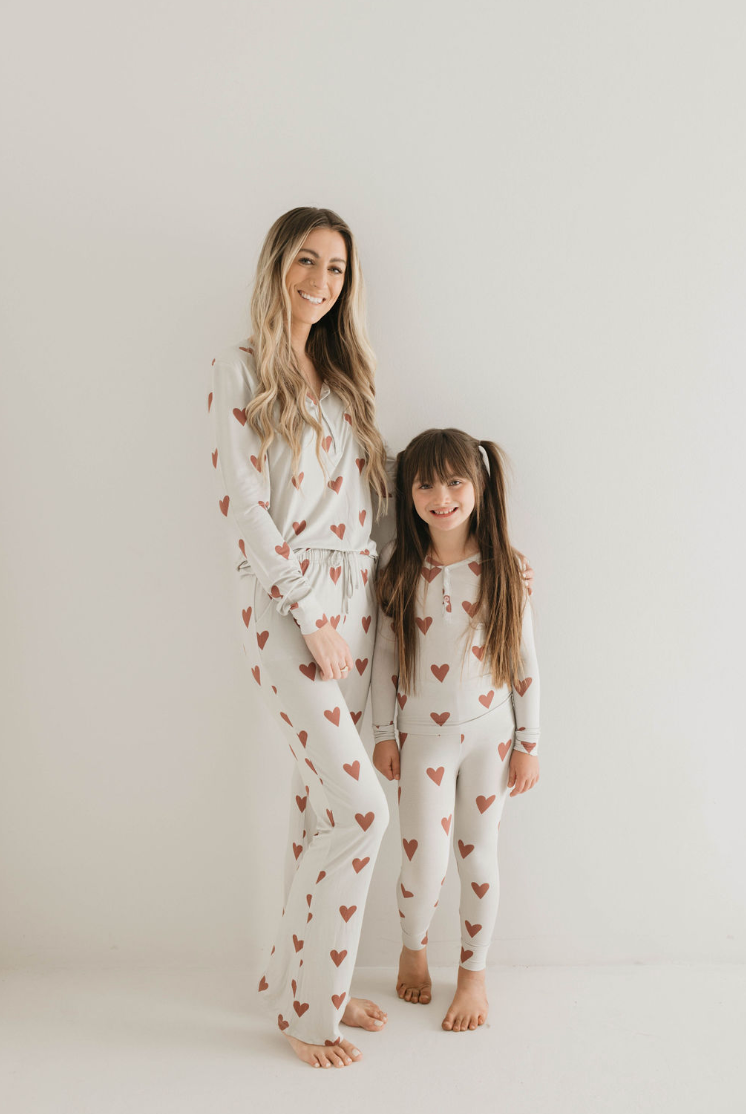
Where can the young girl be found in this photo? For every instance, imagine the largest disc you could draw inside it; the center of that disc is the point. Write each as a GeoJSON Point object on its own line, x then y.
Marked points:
{"type": "Point", "coordinates": [454, 663]}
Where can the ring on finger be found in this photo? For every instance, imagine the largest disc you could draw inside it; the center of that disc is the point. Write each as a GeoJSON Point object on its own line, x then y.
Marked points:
{"type": "Point", "coordinates": [344, 669]}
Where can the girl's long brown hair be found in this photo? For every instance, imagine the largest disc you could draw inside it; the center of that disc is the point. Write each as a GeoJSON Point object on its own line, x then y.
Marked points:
{"type": "Point", "coordinates": [337, 344]}
{"type": "Point", "coordinates": [442, 454]}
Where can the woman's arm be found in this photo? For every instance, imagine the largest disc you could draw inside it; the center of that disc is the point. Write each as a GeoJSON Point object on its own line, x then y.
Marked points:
{"type": "Point", "coordinates": [245, 496]}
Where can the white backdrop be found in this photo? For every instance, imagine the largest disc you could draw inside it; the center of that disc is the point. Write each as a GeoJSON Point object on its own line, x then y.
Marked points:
{"type": "Point", "coordinates": [549, 204]}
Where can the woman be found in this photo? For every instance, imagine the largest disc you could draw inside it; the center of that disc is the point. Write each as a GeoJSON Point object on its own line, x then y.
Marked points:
{"type": "Point", "coordinates": [297, 453]}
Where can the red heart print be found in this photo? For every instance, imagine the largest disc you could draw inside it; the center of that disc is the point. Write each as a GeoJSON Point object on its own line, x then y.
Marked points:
{"type": "Point", "coordinates": [335, 573]}
{"type": "Point", "coordinates": [224, 504]}
{"type": "Point", "coordinates": [528, 746]}
{"type": "Point", "coordinates": [483, 803]}
{"type": "Point", "coordinates": [286, 717]}
{"type": "Point", "coordinates": [440, 671]}
{"type": "Point", "coordinates": [347, 912]}
{"type": "Point", "coordinates": [473, 929]}
{"type": "Point", "coordinates": [465, 848]}
{"type": "Point", "coordinates": [338, 999]}
{"type": "Point", "coordinates": [424, 939]}
{"type": "Point", "coordinates": [322, 621]}
{"type": "Point", "coordinates": [436, 775]}
{"type": "Point", "coordinates": [275, 592]}
{"type": "Point", "coordinates": [301, 802]}
{"type": "Point", "coordinates": [358, 864]}
{"type": "Point", "coordinates": [297, 480]}
{"type": "Point", "coordinates": [364, 574]}
{"type": "Point", "coordinates": [255, 673]}
{"type": "Point", "coordinates": [401, 697]}
{"type": "Point", "coordinates": [480, 890]}
{"type": "Point", "coordinates": [309, 670]}
{"type": "Point", "coordinates": [322, 874]}
{"type": "Point", "coordinates": [424, 624]}
{"type": "Point", "coordinates": [446, 822]}
{"type": "Point", "coordinates": [365, 821]}
{"type": "Point", "coordinates": [465, 954]}
{"type": "Point", "coordinates": [487, 699]}
{"type": "Point", "coordinates": [522, 686]}
{"type": "Point", "coordinates": [303, 736]}
{"type": "Point", "coordinates": [403, 737]}
{"type": "Point", "coordinates": [246, 615]}
{"type": "Point", "coordinates": [263, 984]}
{"type": "Point", "coordinates": [440, 717]}
{"type": "Point", "coordinates": [405, 893]}
{"type": "Point", "coordinates": [303, 566]}
{"type": "Point", "coordinates": [410, 846]}
{"type": "Point", "coordinates": [366, 622]}
{"type": "Point", "coordinates": [258, 467]}
{"type": "Point", "coordinates": [334, 620]}
{"type": "Point", "coordinates": [339, 530]}
{"type": "Point", "coordinates": [347, 418]}
{"type": "Point", "coordinates": [429, 574]}
{"type": "Point", "coordinates": [261, 637]}
{"type": "Point", "coordinates": [475, 567]}
{"type": "Point", "coordinates": [309, 899]}
{"type": "Point", "coordinates": [503, 748]}
{"type": "Point", "coordinates": [239, 415]}
{"type": "Point", "coordinates": [209, 399]}
{"type": "Point", "coordinates": [360, 664]}
{"type": "Point", "coordinates": [335, 485]}
{"type": "Point", "coordinates": [361, 516]}
{"type": "Point", "coordinates": [331, 816]}
{"type": "Point", "coordinates": [394, 680]}
{"type": "Point", "coordinates": [249, 350]}
{"type": "Point", "coordinates": [310, 763]}
{"type": "Point", "coordinates": [355, 716]}
{"type": "Point", "coordinates": [359, 460]}
{"type": "Point", "coordinates": [478, 651]}
{"type": "Point", "coordinates": [214, 458]}
{"type": "Point", "coordinates": [282, 1022]}
{"type": "Point", "coordinates": [398, 795]}
{"type": "Point", "coordinates": [297, 849]}
{"type": "Point", "coordinates": [327, 443]}
{"type": "Point", "coordinates": [469, 608]}
{"type": "Point", "coordinates": [299, 527]}
{"type": "Point", "coordinates": [300, 1008]}
{"type": "Point", "coordinates": [400, 913]}
{"type": "Point", "coordinates": [333, 716]}
{"type": "Point", "coordinates": [337, 957]}
{"type": "Point", "coordinates": [298, 944]}
{"type": "Point", "coordinates": [283, 550]}
{"type": "Point", "coordinates": [352, 768]}
{"type": "Point", "coordinates": [332, 1043]}
{"type": "Point", "coordinates": [242, 546]}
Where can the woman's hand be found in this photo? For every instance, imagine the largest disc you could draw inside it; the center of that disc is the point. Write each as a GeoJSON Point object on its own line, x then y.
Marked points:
{"type": "Point", "coordinates": [527, 572]}
{"type": "Point", "coordinates": [524, 772]}
{"type": "Point", "coordinates": [386, 758]}
{"type": "Point", "coordinates": [331, 652]}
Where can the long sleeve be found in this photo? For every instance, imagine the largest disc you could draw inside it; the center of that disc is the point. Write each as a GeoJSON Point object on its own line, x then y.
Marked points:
{"type": "Point", "coordinates": [384, 681]}
{"type": "Point", "coordinates": [526, 691]}
{"type": "Point", "coordinates": [246, 497]}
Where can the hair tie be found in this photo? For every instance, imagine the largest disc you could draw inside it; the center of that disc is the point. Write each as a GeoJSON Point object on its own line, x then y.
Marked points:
{"type": "Point", "coordinates": [485, 458]}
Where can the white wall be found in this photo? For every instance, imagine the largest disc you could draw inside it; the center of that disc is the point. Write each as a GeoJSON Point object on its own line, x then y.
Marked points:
{"type": "Point", "coordinates": [549, 204]}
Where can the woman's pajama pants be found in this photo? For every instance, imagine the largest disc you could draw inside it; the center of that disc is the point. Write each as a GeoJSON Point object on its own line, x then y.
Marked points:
{"type": "Point", "coordinates": [453, 785]}
{"type": "Point", "coordinates": [338, 811]}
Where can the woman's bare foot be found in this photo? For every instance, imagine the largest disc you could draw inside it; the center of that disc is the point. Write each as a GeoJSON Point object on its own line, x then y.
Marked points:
{"type": "Point", "coordinates": [325, 1056]}
{"type": "Point", "coordinates": [469, 1007]}
{"type": "Point", "coordinates": [413, 981]}
{"type": "Point", "coordinates": [364, 1014]}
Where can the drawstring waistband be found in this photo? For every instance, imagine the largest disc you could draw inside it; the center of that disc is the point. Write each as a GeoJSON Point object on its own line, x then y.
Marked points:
{"type": "Point", "coordinates": [350, 564]}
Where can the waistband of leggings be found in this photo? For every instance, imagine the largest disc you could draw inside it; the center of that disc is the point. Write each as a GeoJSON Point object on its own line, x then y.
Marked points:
{"type": "Point", "coordinates": [411, 728]}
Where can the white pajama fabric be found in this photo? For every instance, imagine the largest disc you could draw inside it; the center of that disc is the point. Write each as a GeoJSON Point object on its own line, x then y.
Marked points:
{"type": "Point", "coordinates": [307, 559]}
{"type": "Point", "coordinates": [455, 732]}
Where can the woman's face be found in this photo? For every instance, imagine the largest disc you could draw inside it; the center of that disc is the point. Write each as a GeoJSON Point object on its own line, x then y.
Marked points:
{"type": "Point", "coordinates": [316, 275]}
{"type": "Point", "coordinates": [444, 505]}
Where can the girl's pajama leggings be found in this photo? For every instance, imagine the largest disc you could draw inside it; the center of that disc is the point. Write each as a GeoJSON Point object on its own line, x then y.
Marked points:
{"type": "Point", "coordinates": [338, 809]}
{"type": "Point", "coordinates": [453, 785]}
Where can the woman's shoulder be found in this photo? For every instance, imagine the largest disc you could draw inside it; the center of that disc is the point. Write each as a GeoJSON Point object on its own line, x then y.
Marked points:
{"type": "Point", "coordinates": [385, 553]}
{"type": "Point", "coordinates": [237, 360]}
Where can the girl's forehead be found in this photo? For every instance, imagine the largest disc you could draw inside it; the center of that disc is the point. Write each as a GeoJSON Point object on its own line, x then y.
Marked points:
{"type": "Point", "coordinates": [444, 474]}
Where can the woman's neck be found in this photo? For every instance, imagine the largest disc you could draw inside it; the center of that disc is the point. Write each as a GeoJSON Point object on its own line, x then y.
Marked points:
{"type": "Point", "coordinates": [298, 340]}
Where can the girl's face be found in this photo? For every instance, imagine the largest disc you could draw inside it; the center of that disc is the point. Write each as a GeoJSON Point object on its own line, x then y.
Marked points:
{"type": "Point", "coordinates": [316, 275]}
{"type": "Point", "coordinates": [444, 506]}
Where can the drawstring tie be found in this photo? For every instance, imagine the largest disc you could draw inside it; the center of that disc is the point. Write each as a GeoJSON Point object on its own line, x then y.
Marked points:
{"type": "Point", "coordinates": [351, 577]}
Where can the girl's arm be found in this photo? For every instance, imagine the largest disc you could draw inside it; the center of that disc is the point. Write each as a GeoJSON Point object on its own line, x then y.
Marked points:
{"type": "Point", "coordinates": [526, 691]}
{"type": "Point", "coordinates": [245, 496]}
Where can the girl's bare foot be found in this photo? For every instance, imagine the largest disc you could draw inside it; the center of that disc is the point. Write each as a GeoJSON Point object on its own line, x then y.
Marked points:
{"type": "Point", "coordinates": [469, 1007]}
{"type": "Point", "coordinates": [413, 981]}
{"type": "Point", "coordinates": [325, 1056]}
{"type": "Point", "coordinates": [364, 1014]}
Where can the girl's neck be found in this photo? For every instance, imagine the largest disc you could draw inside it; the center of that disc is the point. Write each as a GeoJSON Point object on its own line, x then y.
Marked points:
{"type": "Point", "coordinates": [451, 548]}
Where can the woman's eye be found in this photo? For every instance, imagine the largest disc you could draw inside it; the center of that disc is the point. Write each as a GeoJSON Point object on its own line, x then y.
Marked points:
{"type": "Point", "coordinates": [305, 259]}
{"type": "Point", "coordinates": [337, 270]}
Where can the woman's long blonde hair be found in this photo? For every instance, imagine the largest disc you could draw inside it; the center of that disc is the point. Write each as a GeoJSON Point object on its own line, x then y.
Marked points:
{"type": "Point", "coordinates": [338, 346]}
{"type": "Point", "coordinates": [440, 454]}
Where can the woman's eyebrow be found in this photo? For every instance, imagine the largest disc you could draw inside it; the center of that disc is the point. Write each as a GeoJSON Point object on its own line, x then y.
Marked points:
{"type": "Point", "coordinates": [336, 259]}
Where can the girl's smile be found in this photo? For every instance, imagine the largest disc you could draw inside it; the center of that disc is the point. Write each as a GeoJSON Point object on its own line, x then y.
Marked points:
{"type": "Point", "coordinates": [444, 505]}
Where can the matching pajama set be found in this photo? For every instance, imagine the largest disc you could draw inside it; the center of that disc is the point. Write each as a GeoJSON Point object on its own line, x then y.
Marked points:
{"type": "Point", "coordinates": [456, 732]}
{"type": "Point", "coordinates": [304, 558]}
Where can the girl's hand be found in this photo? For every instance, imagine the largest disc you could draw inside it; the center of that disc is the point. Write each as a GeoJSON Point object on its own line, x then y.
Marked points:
{"type": "Point", "coordinates": [386, 758]}
{"type": "Point", "coordinates": [524, 772]}
{"type": "Point", "coordinates": [527, 572]}
{"type": "Point", "coordinates": [331, 652]}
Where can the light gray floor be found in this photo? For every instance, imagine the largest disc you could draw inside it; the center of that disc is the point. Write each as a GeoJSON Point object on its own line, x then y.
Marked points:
{"type": "Point", "coordinates": [596, 1039]}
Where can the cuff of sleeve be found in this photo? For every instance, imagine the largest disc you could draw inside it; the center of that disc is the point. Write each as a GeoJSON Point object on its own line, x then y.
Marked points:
{"type": "Point", "coordinates": [387, 731]}
{"type": "Point", "coordinates": [307, 613]}
{"type": "Point", "coordinates": [527, 746]}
